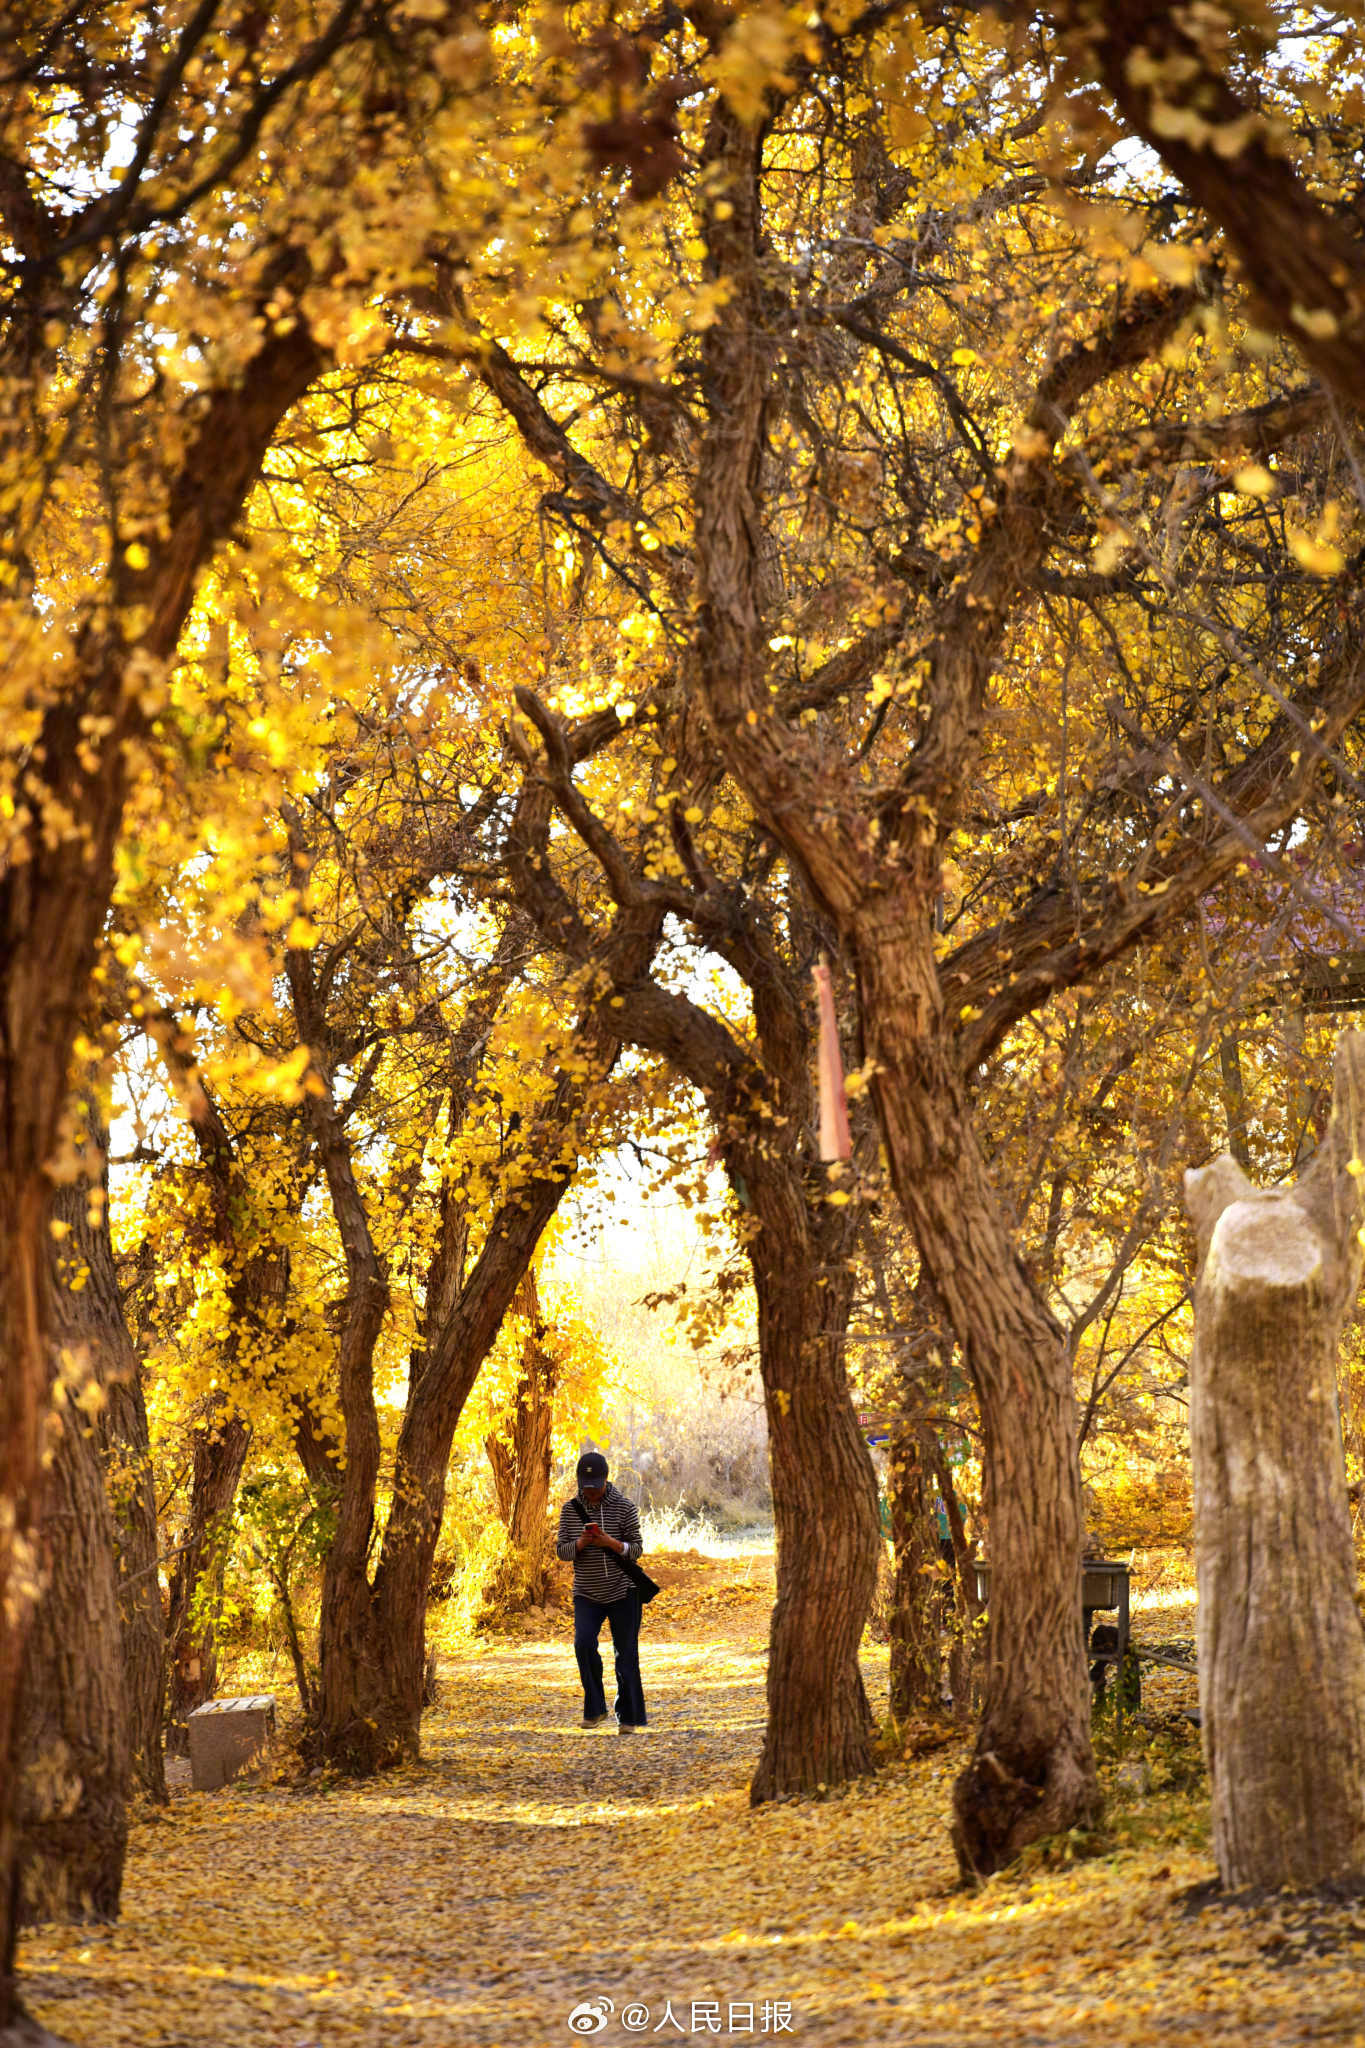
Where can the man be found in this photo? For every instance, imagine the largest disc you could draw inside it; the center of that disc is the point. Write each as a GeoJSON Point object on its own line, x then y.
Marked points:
{"type": "Point", "coordinates": [601, 1591]}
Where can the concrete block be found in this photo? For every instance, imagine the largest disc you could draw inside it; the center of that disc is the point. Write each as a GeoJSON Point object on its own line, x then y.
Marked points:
{"type": "Point", "coordinates": [228, 1735]}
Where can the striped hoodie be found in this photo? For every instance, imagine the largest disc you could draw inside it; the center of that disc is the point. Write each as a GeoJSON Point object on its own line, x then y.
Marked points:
{"type": "Point", "coordinates": [597, 1574]}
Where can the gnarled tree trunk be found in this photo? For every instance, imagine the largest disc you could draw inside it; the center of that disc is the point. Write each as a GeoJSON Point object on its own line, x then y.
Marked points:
{"type": "Point", "coordinates": [1032, 1772]}
{"type": "Point", "coordinates": [75, 1756]}
{"type": "Point", "coordinates": [257, 1271]}
{"type": "Point", "coordinates": [819, 1726]}
{"type": "Point", "coordinates": [819, 1729]}
{"type": "Point", "coordinates": [52, 901]}
{"type": "Point", "coordinates": [96, 1636]}
{"type": "Point", "coordinates": [1281, 1645]}
{"type": "Point", "coordinates": [88, 1316]}
{"type": "Point", "coordinates": [392, 1673]}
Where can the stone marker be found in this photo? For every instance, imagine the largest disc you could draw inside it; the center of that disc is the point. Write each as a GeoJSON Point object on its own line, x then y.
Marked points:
{"type": "Point", "coordinates": [226, 1736]}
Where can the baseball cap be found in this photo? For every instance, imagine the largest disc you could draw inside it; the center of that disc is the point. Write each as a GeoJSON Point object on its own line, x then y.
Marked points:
{"type": "Point", "coordinates": [592, 1468]}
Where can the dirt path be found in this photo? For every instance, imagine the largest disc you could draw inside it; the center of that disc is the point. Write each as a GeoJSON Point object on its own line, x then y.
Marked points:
{"type": "Point", "coordinates": [528, 1866]}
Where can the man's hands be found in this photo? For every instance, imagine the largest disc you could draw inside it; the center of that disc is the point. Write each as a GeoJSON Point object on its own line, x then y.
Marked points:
{"type": "Point", "coordinates": [593, 1533]}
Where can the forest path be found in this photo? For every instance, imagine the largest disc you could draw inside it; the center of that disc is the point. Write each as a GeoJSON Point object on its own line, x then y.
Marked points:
{"type": "Point", "coordinates": [529, 1865]}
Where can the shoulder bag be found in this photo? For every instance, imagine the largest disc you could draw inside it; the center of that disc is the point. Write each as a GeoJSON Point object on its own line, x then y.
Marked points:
{"type": "Point", "coordinates": [639, 1578]}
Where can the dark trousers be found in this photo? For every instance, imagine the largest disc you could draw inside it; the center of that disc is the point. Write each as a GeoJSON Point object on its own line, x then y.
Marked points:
{"type": "Point", "coordinates": [623, 1618]}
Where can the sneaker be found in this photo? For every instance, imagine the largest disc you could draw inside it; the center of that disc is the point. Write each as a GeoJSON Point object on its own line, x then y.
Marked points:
{"type": "Point", "coordinates": [627, 1727]}
{"type": "Point", "coordinates": [595, 1720]}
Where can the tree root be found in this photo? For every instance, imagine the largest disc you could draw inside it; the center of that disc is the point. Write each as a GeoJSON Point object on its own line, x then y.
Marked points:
{"type": "Point", "coordinates": [1000, 1806]}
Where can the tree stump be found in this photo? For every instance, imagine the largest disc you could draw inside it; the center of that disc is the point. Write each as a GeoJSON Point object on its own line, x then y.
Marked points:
{"type": "Point", "coordinates": [1281, 1643]}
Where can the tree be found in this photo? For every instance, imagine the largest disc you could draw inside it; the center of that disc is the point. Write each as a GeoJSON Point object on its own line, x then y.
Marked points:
{"type": "Point", "coordinates": [797, 1222]}
{"type": "Point", "coordinates": [1281, 1642]}
{"type": "Point", "coordinates": [76, 1757]}
{"type": "Point", "coordinates": [196, 223]}
{"type": "Point", "coordinates": [860, 742]}
{"type": "Point", "coordinates": [373, 1637]}
{"type": "Point", "coordinates": [91, 1319]}
{"type": "Point", "coordinates": [146, 359]}
{"type": "Point", "coordinates": [521, 1459]}
{"type": "Point", "coordinates": [254, 1260]}
{"type": "Point", "coordinates": [1206, 96]}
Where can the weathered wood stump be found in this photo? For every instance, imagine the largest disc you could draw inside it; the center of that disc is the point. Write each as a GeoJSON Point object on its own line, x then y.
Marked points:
{"type": "Point", "coordinates": [1281, 1646]}
{"type": "Point", "coordinates": [228, 1736]}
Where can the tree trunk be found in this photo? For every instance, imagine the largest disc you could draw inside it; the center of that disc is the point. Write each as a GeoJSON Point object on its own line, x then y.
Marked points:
{"type": "Point", "coordinates": [918, 1588]}
{"type": "Point", "coordinates": [257, 1271]}
{"type": "Point", "coordinates": [279, 1579]}
{"type": "Point", "coordinates": [374, 1668]}
{"type": "Point", "coordinates": [824, 1491]}
{"type": "Point", "coordinates": [819, 1726]}
{"type": "Point", "coordinates": [53, 899]}
{"type": "Point", "coordinates": [125, 1442]}
{"type": "Point", "coordinates": [219, 1452]}
{"type": "Point", "coordinates": [55, 885]}
{"type": "Point", "coordinates": [1281, 1645]}
{"type": "Point", "coordinates": [521, 1468]}
{"type": "Point", "coordinates": [75, 1756]}
{"type": "Point", "coordinates": [22, 1347]}
{"type": "Point", "coordinates": [1032, 1772]}
{"type": "Point", "coordinates": [963, 1645]}
{"type": "Point", "coordinates": [87, 1644]}
{"type": "Point", "coordinates": [1232, 1088]}
{"type": "Point", "coordinates": [87, 1311]}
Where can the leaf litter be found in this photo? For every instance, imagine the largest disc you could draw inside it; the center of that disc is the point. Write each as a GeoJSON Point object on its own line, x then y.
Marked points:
{"type": "Point", "coordinates": [527, 1867]}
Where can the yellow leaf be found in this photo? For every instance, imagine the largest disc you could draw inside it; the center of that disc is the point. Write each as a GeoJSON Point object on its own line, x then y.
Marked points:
{"type": "Point", "coordinates": [906, 125]}
{"type": "Point", "coordinates": [1172, 261]}
{"type": "Point", "coordinates": [1253, 481]}
{"type": "Point", "coordinates": [1315, 321]}
{"type": "Point", "coordinates": [1316, 556]}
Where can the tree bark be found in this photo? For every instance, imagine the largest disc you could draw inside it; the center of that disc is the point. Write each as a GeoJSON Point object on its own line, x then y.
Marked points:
{"type": "Point", "coordinates": [917, 1588]}
{"type": "Point", "coordinates": [22, 1395]}
{"type": "Point", "coordinates": [1167, 70]}
{"type": "Point", "coordinates": [219, 1451]}
{"type": "Point", "coordinates": [350, 1732]}
{"type": "Point", "coordinates": [373, 1634]}
{"type": "Point", "coordinates": [1232, 1088]}
{"type": "Point", "coordinates": [373, 1653]}
{"type": "Point", "coordinates": [962, 1650]}
{"type": "Point", "coordinates": [88, 1316]}
{"type": "Point", "coordinates": [75, 1758]}
{"type": "Point", "coordinates": [819, 1726]}
{"type": "Point", "coordinates": [1032, 1772]}
{"type": "Point", "coordinates": [54, 895]}
{"type": "Point", "coordinates": [1280, 1642]}
{"type": "Point", "coordinates": [874, 866]}
{"type": "Point", "coordinates": [521, 1469]}
{"type": "Point", "coordinates": [52, 902]}
{"type": "Point", "coordinates": [125, 1442]}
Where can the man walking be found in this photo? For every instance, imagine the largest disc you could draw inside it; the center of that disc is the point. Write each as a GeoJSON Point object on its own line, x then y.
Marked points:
{"type": "Point", "coordinates": [596, 1529]}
